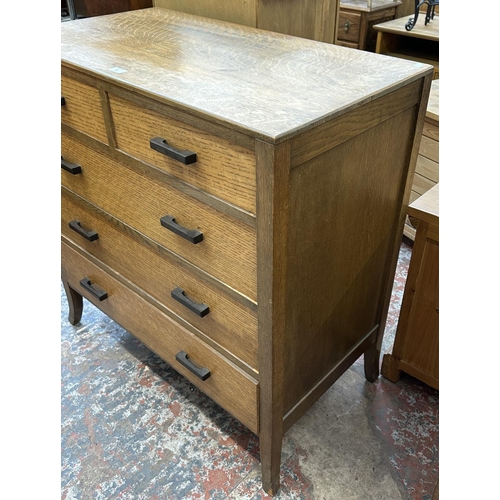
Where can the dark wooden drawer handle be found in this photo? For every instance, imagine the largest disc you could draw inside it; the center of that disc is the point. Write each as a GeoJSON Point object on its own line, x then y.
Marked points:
{"type": "Point", "coordinates": [183, 359]}
{"type": "Point", "coordinates": [72, 168]}
{"type": "Point", "coordinates": [159, 144]}
{"type": "Point", "coordinates": [76, 225]}
{"type": "Point", "coordinates": [96, 292]}
{"type": "Point", "coordinates": [63, 101]}
{"type": "Point", "coordinates": [180, 295]}
{"type": "Point", "coordinates": [192, 235]}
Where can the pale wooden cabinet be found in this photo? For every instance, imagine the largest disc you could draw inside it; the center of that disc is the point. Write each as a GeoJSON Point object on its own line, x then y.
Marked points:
{"type": "Point", "coordinates": [313, 19]}
{"type": "Point", "coordinates": [235, 198]}
{"type": "Point", "coordinates": [420, 44]}
{"type": "Point", "coordinates": [416, 345]}
{"type": "Point", "coordinates": [427, 170]}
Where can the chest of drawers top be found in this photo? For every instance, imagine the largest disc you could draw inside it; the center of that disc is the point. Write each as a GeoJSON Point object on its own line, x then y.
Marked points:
{"type": "Point", "coordinates": [268, 85]}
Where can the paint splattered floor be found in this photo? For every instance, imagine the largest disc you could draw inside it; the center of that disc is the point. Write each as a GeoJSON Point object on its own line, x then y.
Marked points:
{"type": "Point", "coordinates": [134, 429]}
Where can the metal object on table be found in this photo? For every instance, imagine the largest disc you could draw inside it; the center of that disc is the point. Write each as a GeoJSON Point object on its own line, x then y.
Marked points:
{"type": "Point", "coordinates": [70, 9]}
{"type": "Point", "coordinates": [431, 8]}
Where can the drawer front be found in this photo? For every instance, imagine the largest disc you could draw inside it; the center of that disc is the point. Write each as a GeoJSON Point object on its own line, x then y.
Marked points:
{"type": "Point", "coordinates": [348, 27]}
{"type": "Point", "coordinates": [227, 322]}
{"type": "Point", "coordinates": [227, 385]}
{"type": "Point", "coordinates": [228, 250]}
{"type": "Point", "coordinates": [221, 168]}
{"type": "Point", "coordinates": [82, 109]}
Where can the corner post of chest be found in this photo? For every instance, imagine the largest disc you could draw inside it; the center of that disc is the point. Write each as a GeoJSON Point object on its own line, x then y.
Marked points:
{"type": "Point", "coordinates": [272, 172]}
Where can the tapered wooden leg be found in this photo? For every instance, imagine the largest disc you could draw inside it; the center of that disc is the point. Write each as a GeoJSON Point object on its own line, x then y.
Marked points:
{"type": "Point", "coordinates": [372, 360]}
{"type": "Point", "coordinates": [75, 303]}
{"type": "Point", "coordinates": [273, 173]}
{"type": "Point", "coordinates": [270, 457]}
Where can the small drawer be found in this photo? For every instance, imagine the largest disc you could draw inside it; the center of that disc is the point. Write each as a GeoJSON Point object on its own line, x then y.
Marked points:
{"type": "Point", "coordinates": [226, 384]}
{"type": "Point", "coordinates": [81, 109]}
{"type": "Point", "coordinates": [214, 165]}
{"type": "Point", "coordinates": [228, 247]}
{"type": "Point", "coordinates": [226, 321]}
{"type": "Point", "coordinates": [348, 27]}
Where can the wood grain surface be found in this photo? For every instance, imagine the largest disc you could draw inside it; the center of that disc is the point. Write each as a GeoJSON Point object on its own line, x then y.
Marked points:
{"type": "Point", "coordinates": [222, 169]}
{"type": "Point", "coordinates": [433, 105]}
{"type": "Point", "coordinates": [227, 385]}
{"type": "Point", "coordinates": [343, 220]}
{"type": "Point", "coordinates": [240, 12]}
{"type": "Point", "coordinates": [228, 323]}
{"type": "Point", "coordinates": [267, 84]}
{"type": "Point", "coordinates": [82, 109]}
{"type": "Point", "coordinates": [228, 250]}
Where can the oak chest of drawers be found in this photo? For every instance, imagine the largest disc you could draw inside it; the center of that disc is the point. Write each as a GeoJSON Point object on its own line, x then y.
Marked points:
{"type": "Point", "coordinates": [235, 199]}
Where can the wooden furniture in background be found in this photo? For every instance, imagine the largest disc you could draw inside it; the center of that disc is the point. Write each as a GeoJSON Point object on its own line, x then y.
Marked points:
{"type": "Point", "coordinates": [416, 346]}
{"type": "Point", "coordinates": [313, 19]}
{"type": "Point", "coordinates": [235, 199]}
{"type": "Point", "coordinates": [420, 44]}
{"type": "Point", "coordinates": [90, 8]}
{"type": "Point", "coordinates": [427, 170]}
{"type": "Point", "coordinates": [356, 20]}
{"type": "Point", "coordinates": [408, 6]}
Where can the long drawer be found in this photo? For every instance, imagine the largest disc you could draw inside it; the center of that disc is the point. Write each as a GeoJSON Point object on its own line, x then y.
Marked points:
{"type": "Point", "coordinates": [226, 384]}
{"type": "Point", "coordinates": [215, 314]}
{"type": "Point", "coordinates": [228, 248]}
{"type": "Point", "coordinates": [81, 108]}
{"type": "Point", "coordinates": [220, 168]}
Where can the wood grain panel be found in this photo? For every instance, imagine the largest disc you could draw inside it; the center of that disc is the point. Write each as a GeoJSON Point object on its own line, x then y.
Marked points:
{"type": "Point", "coordinates": [228, 250]}
{"type": "Point", "coordinates": [421, 184]}
{"type": "Point", "coordinates": [222, 169]}
{"type": "Point", "coordinates": [334, 271]}
{"type": "Point", "coordinates": [227, 385]}
{"type": "Point", "coordinates": [313, 19]}
{"type": "Point", "coordinates": [240, 12]}
{"type": "Point", "coordinates": [83, 109]}
{"type": "Point", "coordinates": [431, 129]}
{"type": "Point", "coordinates": [336, 131]}
{"type": "Point", "coordinates": [228, 323]}
{"type": "Point", "coordinates": [428, 169]}
{"type": "Point", "coordinates": [429, 148]}
{"type": "Point", "coordinates": [421, 347]}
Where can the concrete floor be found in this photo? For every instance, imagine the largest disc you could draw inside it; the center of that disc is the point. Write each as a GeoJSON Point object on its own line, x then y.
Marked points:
{"type": "Point", "coordinates": [132, 428]}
